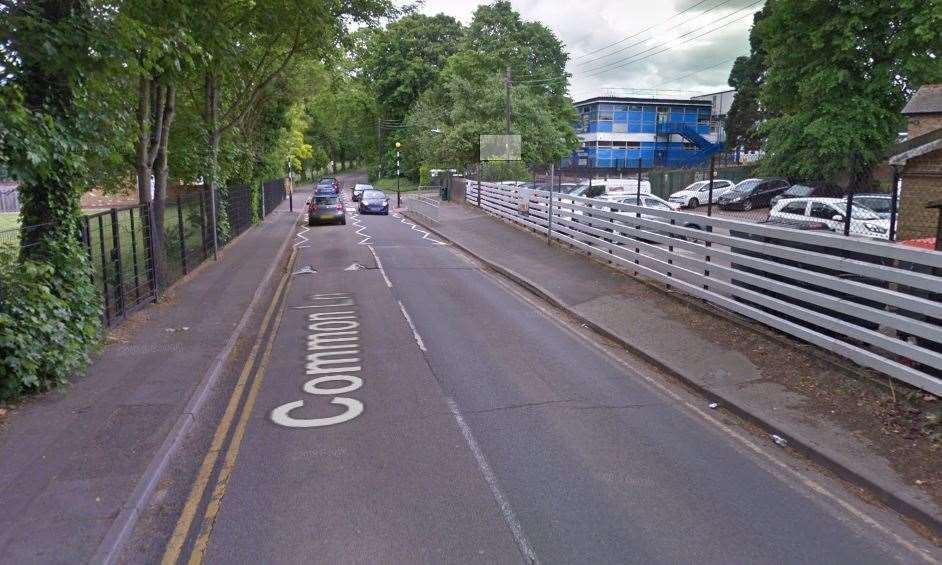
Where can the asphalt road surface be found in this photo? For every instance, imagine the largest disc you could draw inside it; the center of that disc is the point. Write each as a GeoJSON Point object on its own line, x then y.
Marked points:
{"type": "Point", "coordinates": [409, 407]}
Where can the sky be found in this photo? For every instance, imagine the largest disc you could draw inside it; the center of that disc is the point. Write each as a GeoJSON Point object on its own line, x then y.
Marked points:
{"type": "Point", "coordinates": [637, 47]}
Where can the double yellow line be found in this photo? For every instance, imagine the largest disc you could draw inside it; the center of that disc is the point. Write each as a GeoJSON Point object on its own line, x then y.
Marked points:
{"type": "Point", "coordinates": [181, 532]}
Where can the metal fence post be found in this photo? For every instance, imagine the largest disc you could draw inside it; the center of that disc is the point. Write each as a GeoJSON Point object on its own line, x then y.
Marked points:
{"type": "Point", "coordinates": [849, 210]}
{"type": "Point", "coordinates": [894, 202]}
{"type": "Point", "coordinates": [104, 270]}
{"type": "Point", "coordinates": [119, 274]}
{"type": "Point", "coordinates": [549, 229]}
{"type": "Point", "coordinates": [710, 195]}
{"type": "Point", "coordinates": [264, 211]}
{"type": "Point", "coordinates": [212, 205]}
{"type": "Point", "coordinates": [137, 282]}
{"type": "Point", "coordinates": [203, 223]}
{"type": "Point", "coordinates": [180, 229]}
{"type": "Point", "coordinates": [480, 166]}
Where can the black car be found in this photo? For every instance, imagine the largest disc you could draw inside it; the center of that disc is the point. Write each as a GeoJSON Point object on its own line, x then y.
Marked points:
{"type": "Point", "coordinates": [373, 202]}
{"type": "Point", "coordinates": [822, 190]}
{"type": "Point", "coordinates": [752, 193]}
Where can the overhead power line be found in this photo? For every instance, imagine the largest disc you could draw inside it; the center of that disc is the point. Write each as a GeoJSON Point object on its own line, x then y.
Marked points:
{"type": "Point", "coordinates": [640, 42]}
{"type": "Point", "coordinates": [635, 59]}
{"type": "Point", "coordinates": [675, 79]}
{"type": "Point", "coordinates": [638, 33]}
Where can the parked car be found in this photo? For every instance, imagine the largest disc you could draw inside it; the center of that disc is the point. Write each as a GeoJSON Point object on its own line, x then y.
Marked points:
{"type": "Point", "coordinates": [823, 190]}
{"type": "Point", "coordinates": [831, 211]}
{"type": "Point", "coordinates": [326, 208]}
{"type": "Point", "coordinates": [373, 202]}
{"type": "Point", "coordinates": [698, 193]}
{"type": "Point", "coordinates": [879, 203]}
{"type": "Point", "coordinates": [647, 200]}
{"type": "Point", "coordinates": [358, 190]}
{"type": "Point", "coordinates": [752, 193]}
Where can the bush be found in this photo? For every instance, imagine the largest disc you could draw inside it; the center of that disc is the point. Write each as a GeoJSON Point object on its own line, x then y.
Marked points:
{"type": "Point", "coordinates": [425, 175]}
{"type": "Point", "coordinates": [50, 318]}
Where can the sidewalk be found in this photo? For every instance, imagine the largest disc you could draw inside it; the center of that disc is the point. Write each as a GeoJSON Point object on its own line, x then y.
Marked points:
{"type": "Point", "coordinates": [73, 462]}
{"type": "Point", "coordinates": [841, 422]}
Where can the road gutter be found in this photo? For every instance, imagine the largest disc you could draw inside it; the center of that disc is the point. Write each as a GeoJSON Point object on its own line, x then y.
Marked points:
{"type": "Point", "coordinates": [795, 442]}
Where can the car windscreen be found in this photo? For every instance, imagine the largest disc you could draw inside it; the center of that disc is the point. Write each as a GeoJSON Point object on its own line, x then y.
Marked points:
{"type": "Point", "coordinates": [373, 195]}
{"type": "Point", "coordinates": [746, 185]}
{"type": "Point", "coordinates": [325, 200]}
{"type": "Point", "coordinates": [879, 205]}
{"type": "Point", "coordinates": [698, 186]}
{"type": "Point", "coordinates": [799, 190]}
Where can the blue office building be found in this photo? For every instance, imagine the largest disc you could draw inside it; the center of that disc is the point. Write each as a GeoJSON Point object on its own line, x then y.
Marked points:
{"type": "Point", "coordinates": [616, 132]}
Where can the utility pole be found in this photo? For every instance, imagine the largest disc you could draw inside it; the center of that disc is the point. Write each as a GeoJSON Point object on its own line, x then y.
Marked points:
{"type": "Point", "coordinates": [507, 97]}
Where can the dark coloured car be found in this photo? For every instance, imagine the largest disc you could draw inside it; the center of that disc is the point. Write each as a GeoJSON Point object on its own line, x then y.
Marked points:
{"type": "Point", "coordinates": [330, 182]}
{"type": "Point", "coordinates": [752, 193]}
{"type": "Point", "coordinates": [373, 202]}
{"type": "Point", "coordinates": [326, 208]}
{"type": "Point", "coordinates": [823, 190]}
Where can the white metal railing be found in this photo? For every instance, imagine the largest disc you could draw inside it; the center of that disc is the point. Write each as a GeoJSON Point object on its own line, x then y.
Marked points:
{"type": "Point", "coordinates": [874, 302]}
{"type": "Point", "coordinates": [425, 201]}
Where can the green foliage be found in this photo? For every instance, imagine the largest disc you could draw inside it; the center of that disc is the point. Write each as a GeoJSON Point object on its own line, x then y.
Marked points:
{"type": "Point", "coordinates": [746, 77]}
{"type": "Point", "coordinates": [405, 59]}
{"type": "Point", "coordinates": [834, 103]}
{"type": "Point", "coordinates": [49, 317]}
{"type": "Point", "coordinates": [425, 176]}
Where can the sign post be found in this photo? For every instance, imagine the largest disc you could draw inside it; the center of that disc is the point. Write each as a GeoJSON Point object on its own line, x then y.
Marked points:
{"type": "Point", "coordinates": [398, 195]}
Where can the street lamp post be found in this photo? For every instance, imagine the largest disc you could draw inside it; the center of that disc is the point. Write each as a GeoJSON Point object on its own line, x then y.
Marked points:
{"type": "Point", "coordinates": [398, 196]}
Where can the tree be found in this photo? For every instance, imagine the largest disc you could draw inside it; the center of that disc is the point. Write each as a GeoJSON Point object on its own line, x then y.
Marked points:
{"type": "Point", "coordinates": [405, 59]}
{"type": "Point", "coordinates": [471, 90]}
{"type": "Point", "coordinates": [746, 77]}
{"type": "Point", "coordinates": [835, 101]}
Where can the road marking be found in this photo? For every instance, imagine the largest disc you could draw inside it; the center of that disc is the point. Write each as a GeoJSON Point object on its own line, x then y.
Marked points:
{"type": "Point", "coordinates": [333, 355]}
{"type": "Point", "coordinates": [300, 235]}
{"type": "Point", "coordinates": [190, 508]}
{"type": "Point", "coordinates": [379, 264]}
{"type": "Point", "coordinates": [232, 452]}
{"type": "Point", "coordinates": [415, 332]}
{"type": "Point", "coordinates": [783, 467]}
{"type": "Point", "coordinates": [355, 220]}
{"type": "Point", "coordinates": [505, 509]}
{"type": "Point", "coordinates": [425, 235]}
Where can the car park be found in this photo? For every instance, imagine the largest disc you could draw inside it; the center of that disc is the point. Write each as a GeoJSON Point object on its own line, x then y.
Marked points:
{"type": "Point", "coordinates": [325, 207]}
{"type": "Point", "coordinates": [752, 193]}
{"type": "Point", "coordinates": [831, 212]}
{"type": "Point", "coordinates": [698, 193]}
{"type": "Point", "coordinates": [358, 190]}
{"type": "Point", "coordinates": [373, 202]}
{"type": "Point", "coordinates": [822, 190]}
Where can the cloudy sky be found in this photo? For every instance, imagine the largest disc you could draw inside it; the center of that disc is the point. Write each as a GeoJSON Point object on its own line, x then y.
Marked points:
{"type": "Point", "coordinates": [637, 47]}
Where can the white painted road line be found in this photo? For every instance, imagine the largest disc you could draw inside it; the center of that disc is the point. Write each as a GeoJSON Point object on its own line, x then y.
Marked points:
{"type": "Point", "coordinates": [506, 511]}
{"type": "Point", "coordinates": [300, 235]}
{"type": "Point", "coordinates": [425, 235]}
{"type": "Point", "coordinates": [415, 332]}
{"type": "Point", "coordinates": [379, 265]}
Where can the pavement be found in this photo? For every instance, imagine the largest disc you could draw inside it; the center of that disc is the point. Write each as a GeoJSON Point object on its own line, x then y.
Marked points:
{"type": "Point", "coordinates": [74, 462]}
{"type": "Point", "coordinates": [690, 344]}
{"type": "Point", "coordinates": [410, 406]}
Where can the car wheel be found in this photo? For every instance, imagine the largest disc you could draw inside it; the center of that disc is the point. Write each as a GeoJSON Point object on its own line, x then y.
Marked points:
{"type": "Point", "coordinates": [694, 203]}
{"type": "Point", "coordinates": [747, 205]}
{"type": "Point", "coordinates": [343, 221]}
{"type": "Point", "coordinates": [310, 221]}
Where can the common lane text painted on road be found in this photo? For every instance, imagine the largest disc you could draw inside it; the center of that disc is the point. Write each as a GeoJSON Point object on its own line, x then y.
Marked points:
{"type": "Point", "coordinates": [332, 358]}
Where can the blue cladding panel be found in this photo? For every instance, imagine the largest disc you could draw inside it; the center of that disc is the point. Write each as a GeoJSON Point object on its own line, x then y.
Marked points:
{"type": "Point", "coordinates": [648, 127]}
{"type": "Point", "coordinates": [634, 116]}
{"type": "Point", "coordinates": [620, 116]}
{"type": "Point", "coordinates": [604, 126]}
{"type": "Point", "coordinates": [634, 128]}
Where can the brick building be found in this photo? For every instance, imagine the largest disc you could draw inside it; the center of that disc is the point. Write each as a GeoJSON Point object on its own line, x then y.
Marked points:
{"type": "Point", "coordinates": [919, 161]}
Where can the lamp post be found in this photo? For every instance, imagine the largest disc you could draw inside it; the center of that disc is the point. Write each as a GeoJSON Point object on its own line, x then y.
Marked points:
{"type": "Point", "coordinates": [398, 196]}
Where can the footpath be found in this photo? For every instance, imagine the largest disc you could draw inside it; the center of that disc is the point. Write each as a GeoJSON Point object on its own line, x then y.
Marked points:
{"type": "Point", "coordinates": [77, 464]}
{"type": "Point", "coordinates": [818, 405]}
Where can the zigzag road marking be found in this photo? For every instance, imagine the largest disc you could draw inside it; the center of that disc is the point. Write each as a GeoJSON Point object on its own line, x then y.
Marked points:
{"type": "Point", "coordinates": [425, 235]}
{"type": "Point", "coordinates": [300, 234]}
{"type": "Point", "coordinates": [355, 220]}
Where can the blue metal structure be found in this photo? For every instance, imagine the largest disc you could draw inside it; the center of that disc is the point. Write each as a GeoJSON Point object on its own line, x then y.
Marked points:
{"type": "Point", "coordinates": [616, 132]}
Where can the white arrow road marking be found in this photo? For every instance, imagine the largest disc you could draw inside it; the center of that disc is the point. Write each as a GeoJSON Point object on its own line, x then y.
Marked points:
{"type": "Point", "coordinates": [355, 267]}
{"type": "Point", "coordinates": [306, 270]}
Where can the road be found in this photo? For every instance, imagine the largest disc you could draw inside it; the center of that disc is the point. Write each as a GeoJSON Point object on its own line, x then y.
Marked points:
{"type": "Point", "coordinates": [407, 406]}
